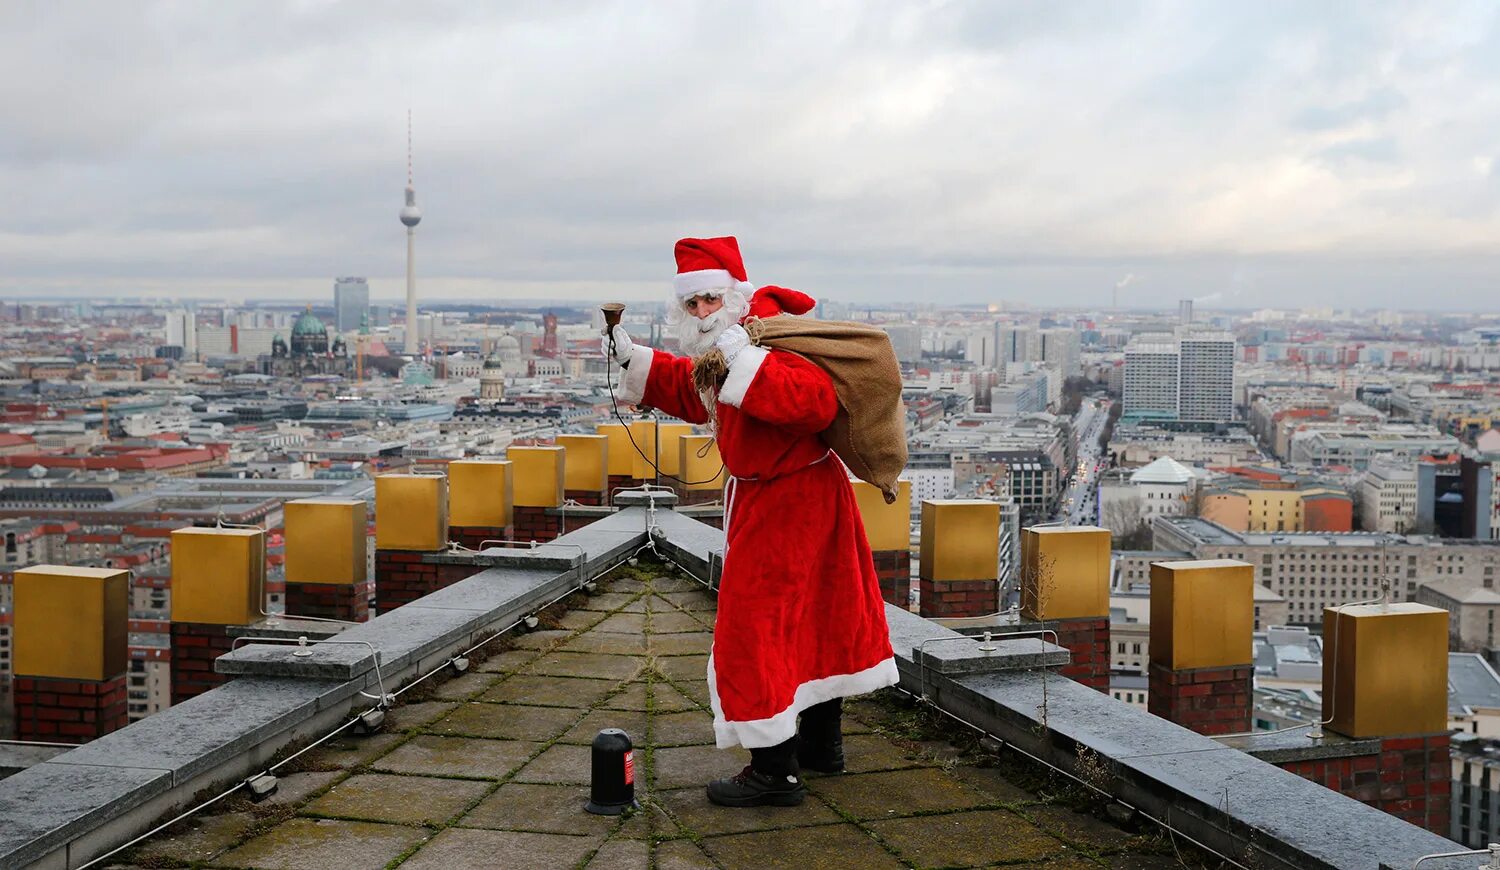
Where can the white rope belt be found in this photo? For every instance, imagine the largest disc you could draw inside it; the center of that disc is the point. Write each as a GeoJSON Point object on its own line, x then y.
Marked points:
{"type": "Point", "coordinates": [732, 485]}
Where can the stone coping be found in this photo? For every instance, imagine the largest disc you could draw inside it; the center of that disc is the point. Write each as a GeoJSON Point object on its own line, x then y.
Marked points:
{"type": "Point", "coordinates": [289, 627]}
{"type": "Point", "coordinates": [1296, 745]}
{"type": "Point", "coordinates": [662, 498]}
{"type": "Point", "coordinates": [924, 644]}
{"type": "Point", "coordinates": [85, 801]}
{"type": "Point", "coordinates": [318, 661]}
{"type": "Point", "coordinates": [1236, 804]}
{"type": "Point", "coordinates": [542, 557]}
{"type": "Point", "coordinates": [16, 757]}
{"type": "Point", "coordinates": [495, 596]}
{"type": "Point", "coordinates": [697, 547]}
{"type": "Point", "coordinates": [970, 656]}
{"type": "Point", "coordinates": [1010, 623]}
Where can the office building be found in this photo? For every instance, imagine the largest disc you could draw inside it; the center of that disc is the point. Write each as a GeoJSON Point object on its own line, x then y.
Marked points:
{"type": "Point", "coordinates": [1061, 347]}
{"type": "Point", "coordinates": [1186, 378]}
{"type": "Point", "coordinates": [351, 303]}
{"type": "Point", "coordinates": [181, 330]}
{"type": "Point", "coordinates": [1014, 344]}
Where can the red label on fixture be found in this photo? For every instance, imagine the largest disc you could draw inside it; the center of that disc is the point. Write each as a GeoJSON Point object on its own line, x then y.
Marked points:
{"type": "Point", "coordinates": [630, 768]}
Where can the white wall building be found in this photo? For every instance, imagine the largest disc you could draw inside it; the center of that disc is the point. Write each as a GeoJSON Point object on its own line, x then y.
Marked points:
{"type": "Point", "coordinates": [1388, 498]}
{"type": "Point", "coordinates": [1063, 348]}
{"type": "Point", "coordinates": [1164, 488]}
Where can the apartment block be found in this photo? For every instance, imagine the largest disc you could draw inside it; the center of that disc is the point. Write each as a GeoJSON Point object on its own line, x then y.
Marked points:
{"type": "Point", "coordinates": [1314, 570]}
{"type": "Point", "coordinates": [1151, 376]}
{"type": "Point", "coordinates": [1206, 377]}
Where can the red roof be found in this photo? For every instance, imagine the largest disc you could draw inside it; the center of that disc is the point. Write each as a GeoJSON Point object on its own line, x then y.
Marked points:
{"type": "Point", "coordinates": [122, 458]}
{"type": "Point", "coordinates": [94, 538]}
{"type": "Point", "coordinates": [1299, 412]}
{"type": "Point", "coordinates": [144, 530]}
{"type": "Point", "coordinates": [10, 439]}
{"type": "Point", "coordinates": [57, 527]}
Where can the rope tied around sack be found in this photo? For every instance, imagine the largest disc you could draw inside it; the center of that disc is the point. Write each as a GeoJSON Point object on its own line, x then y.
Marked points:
{"type": "Point", "coordinates": [710, 369]}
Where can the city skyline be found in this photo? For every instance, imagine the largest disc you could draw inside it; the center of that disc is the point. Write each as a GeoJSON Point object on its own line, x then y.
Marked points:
{"type": "Point", "coordinates": [1276, 156]}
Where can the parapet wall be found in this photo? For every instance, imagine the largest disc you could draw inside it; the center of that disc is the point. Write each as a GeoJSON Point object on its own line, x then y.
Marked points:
{"type": "Point", "coordinates": [85, 802]}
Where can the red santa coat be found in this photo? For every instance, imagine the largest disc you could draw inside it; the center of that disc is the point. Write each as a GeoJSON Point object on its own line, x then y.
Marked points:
{"type": "Point", "coordinates": [800, 619]}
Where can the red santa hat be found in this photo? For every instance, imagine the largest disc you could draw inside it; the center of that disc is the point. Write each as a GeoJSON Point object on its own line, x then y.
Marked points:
{"type": "Point", "coordinates": [771, 300]}
{"type": "Point", "coordinates": [709, 264]}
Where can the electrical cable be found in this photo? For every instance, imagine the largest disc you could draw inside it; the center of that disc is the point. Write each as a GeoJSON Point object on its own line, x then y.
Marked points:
{"type": "Point", "coordinates": [352, 720]}
{"type": "Point", "coordinates": [1069, 774]}
{"type": "Point", "coordinates": [615, 405]}
{"type": "Point", "coordinates": [1334, 676]}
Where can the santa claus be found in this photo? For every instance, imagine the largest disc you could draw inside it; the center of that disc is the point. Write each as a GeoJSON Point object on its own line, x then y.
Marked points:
{"type": "Point", "coordinates": [801, 623]}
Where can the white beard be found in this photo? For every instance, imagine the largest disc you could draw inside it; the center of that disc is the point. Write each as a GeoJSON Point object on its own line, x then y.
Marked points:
{"type": "Point", "coordinates": [696, 337]}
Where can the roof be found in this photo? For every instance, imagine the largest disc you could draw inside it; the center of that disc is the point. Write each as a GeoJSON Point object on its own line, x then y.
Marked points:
{"type": "Point", "coordinates": [1164, 469]}
{"type": "Point", "coordinates": [498, 760]}
{"type": "Point", "coordinates": [309, 324]}
{"type": "Point", "coordinates": [1463, 591]}
{"type": "Point", "coordinates": [1472, 683]}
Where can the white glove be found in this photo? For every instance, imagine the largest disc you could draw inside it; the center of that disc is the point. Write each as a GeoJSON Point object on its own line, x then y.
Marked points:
{"type": "Point", "coordinates": [731, 341]}
{"type": "Point", "coordinates": [623, 345]}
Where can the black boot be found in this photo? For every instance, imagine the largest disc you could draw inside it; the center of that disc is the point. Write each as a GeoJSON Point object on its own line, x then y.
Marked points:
{"type": "Point", "coordinates": [770, 780]}
{"type": "Point", "coordinates": [820, 745]}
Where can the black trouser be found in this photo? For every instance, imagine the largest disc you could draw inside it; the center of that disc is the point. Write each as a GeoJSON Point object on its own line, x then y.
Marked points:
{"type": "Point", "coordinates": [821, 726]}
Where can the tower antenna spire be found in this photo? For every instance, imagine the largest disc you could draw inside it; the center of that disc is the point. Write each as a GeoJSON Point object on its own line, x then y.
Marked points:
{"type": "Point", "coordinates": [408, 148]}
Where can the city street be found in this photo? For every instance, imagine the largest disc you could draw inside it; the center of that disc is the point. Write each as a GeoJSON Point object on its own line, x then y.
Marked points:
{"type": "Point", "coordinates": [1080, 503]}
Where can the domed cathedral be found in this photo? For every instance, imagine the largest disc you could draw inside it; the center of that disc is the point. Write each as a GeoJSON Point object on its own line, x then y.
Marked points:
{"type": "Point", "coordinates": [492, 379]}
{"type": "Point", "coordinates": [512, 360]}
{"type": "Point", "coordinates": [309, 353]}
{"type": "Point", "coordinates": [309, 335]}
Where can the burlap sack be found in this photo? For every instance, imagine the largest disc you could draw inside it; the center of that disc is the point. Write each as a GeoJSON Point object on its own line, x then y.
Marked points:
{"type": "Point", "coordinates": [869, 431]}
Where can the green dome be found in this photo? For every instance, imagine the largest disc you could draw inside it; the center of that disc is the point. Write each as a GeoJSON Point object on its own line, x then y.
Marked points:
{"type": "Point", "coordinates": [309, 324]}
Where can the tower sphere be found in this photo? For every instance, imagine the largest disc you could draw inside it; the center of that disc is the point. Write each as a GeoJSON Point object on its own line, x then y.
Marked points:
{"type": "Point", "coordinates": [411, 215]}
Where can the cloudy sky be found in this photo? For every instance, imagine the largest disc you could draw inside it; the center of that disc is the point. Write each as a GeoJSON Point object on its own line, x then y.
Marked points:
{"type": "Point", "coordinates": [1039, 152]}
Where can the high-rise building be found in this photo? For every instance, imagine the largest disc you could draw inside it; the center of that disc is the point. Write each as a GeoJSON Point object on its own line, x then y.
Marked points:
{"type": "Point", "coordinates": [182, 330]}
{"type": "Point", "coordinates": [1185, 311]}
{"type": "Point", "coordinates": [351, 303]}
{"type": "Point", "coordinates": [906, 339]}
{"type": "Point", "coordinates": [1206, 380]}
{"type": "Point", "coordinates": [1063, 348]}
{"type": "Point", "coordinates": [1190, 377]}
{"type": "Point", "coordinates": [1151, 374]}
{"type": "Point", "coordinates": [1015, 343]}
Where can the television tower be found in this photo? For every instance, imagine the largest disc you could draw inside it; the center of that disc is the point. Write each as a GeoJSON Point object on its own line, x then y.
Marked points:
{"type": "Point", "coordinates": [410, 216]}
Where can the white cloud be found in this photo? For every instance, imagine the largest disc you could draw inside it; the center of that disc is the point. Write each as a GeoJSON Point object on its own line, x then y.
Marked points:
{"type": "Point", "coordinates": [860, 148]}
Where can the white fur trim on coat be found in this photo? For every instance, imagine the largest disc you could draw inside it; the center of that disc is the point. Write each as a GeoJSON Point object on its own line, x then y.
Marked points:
{"type": "Point", "coordinates": [692, 283]}
{"type": "Point", "coordinates": [633, 385]}
{"type": "Point", "coordinates": [741, 373]}
{"type": "Point", "coordinates": [760, 733]}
